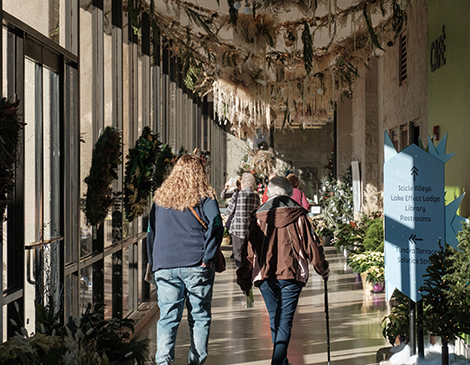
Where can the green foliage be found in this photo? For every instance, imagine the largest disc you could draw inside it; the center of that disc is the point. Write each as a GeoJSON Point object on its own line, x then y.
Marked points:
{"type": "Point", "coordinates": [369, 262]}
{"type": "Point", "coordinates": [110, 338]}
{"type": "Point", "coordinates": [349, 236]}
{"type": "Point", "coordinates": [10, 128]}
{"type": "Point", "coordinates": [458, 280]}
{"type": "Point", "coordinates": [133, 8]}
{"type": "Point", "coordinates": [337, 206]}
{"type": "Point", "coordinates": [441, 318]}
{"type": "Point", "coordinates": [104, 163]}
{"type": "Point", "coordinates": [23, 349]}
{"type": "Point", "coordinates": [374, 237]}
{"type": "Point", "coordinates": [89, 340]}
{"type": "Point", "coordinates": [164, 162]}
{"type": "Point", "coordinates": [138, 184]}
{"type": "Point", "coordinates": [397, 323]}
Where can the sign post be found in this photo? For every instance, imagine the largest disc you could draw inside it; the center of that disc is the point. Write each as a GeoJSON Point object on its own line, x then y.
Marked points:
{"type": "Point", "coordinates": [416, 218]}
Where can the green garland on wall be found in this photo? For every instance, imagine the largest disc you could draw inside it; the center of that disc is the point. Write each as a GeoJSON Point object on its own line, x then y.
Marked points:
{"type": "Point", "coordinates": [9, 139]}
{"type": "Point", "coordinates": [138, 183]}
{"type": "Point", "coordinates": [104, 163]}
{"type": "Point", "coordinates": [166, 159]}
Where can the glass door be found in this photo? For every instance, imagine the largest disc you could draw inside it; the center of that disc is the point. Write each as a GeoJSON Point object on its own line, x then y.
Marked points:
{"type": "Point", "coordinates": [42, 186]}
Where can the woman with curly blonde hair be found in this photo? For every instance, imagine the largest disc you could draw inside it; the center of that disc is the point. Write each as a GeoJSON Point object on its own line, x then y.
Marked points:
{"type": "Point", "coordinates": [182, 255]}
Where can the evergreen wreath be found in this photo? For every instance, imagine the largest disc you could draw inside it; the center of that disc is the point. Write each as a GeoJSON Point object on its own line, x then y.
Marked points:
{"type": "Point", "coordinates": [138, 183]}
{"type": "Point", "coordinates": [104, 163]}
{"type": "Point", "coordinates": [165, 161]}
{"type": "Point", "coordinates": [9, 139]}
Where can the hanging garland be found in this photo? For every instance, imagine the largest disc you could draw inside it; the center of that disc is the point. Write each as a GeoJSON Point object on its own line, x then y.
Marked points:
{"type": "Point", "coordinates": [10, 128]}
{"type": "Point", "coordinates": [138, 184]}
{"type": "Point", "coordinates": [104, 163]}
{"type": "Point", "coordinates": [253, 83]}
{"type": "Point", "coordinates": [166, 159]}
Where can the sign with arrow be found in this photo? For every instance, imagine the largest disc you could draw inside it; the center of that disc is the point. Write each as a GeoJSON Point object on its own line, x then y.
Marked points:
{"type": "Point", "coordinates": [415, 214]}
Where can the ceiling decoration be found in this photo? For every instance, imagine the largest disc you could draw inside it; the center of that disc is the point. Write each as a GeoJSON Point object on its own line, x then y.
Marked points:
{"type": "Point", "coordinates": [263, 68]}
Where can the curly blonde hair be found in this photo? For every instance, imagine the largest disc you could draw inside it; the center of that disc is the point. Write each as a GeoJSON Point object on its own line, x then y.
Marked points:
{"type": "Point", "coordinates": [186, 185]}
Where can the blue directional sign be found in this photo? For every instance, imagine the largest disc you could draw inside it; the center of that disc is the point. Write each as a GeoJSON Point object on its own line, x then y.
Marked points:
{"type": "Point", "coordinates": [414, 217]}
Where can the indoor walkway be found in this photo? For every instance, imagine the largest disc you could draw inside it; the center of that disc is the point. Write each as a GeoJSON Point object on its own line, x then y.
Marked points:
{"type": "Point", "coordinates": [241, 335]}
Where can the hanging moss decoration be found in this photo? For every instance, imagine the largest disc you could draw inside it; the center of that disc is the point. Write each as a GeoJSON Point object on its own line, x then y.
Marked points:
{"type": "Point", "coordinates": [9, 138]}
{"type": "Point", "coordinates": [104, 163]}
{"type": "Point", "coordinates": [138, 184]}
{"type": "Point", "coordinates": [308, 48]}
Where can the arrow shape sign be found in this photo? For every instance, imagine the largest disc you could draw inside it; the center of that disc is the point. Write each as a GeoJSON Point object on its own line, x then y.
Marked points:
{"type": "Point", "coordinates": [413, 239]}
{"type": "Point", "coordinates": [414, 172]}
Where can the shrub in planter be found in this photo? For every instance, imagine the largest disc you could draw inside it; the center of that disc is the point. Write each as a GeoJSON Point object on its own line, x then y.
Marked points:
{"type": "Point", "coordinates": [397, 323]}
{"type": "Point", "coordinates": [88, 340]}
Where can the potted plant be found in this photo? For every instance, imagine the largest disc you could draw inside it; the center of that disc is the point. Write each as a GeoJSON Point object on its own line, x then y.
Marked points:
{"type": "Point", "coordinates": [376, 275]}
{"type": "Point", "coordinates": [370, 265]}
{"type": "Point", "coordinates": [322, 229]}
{"type": "Point", "coordinates": [111, 338]}
{"type": "Point", "coordinates": [88, 340]}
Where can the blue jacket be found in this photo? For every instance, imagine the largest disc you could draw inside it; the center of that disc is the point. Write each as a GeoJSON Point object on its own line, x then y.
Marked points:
{"type": "Point", "coordinates": [177, 239]}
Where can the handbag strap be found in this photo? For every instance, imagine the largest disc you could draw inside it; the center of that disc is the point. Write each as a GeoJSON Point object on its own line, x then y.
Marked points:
{"type": "Point", "coordinates": [204, 224]}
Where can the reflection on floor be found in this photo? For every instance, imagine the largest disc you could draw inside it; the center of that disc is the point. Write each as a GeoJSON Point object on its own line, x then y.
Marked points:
{"type": "Point", "coordinates": [241, 335]}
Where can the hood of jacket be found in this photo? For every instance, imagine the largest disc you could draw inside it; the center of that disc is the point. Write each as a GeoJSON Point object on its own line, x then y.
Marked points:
{"type": "Point", "coordinates": [279, 211]}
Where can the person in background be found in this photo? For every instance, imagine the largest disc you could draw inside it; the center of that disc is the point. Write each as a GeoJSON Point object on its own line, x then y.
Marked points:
{"type": "Point", "coordinates": [298, 195]}
{"type": "Point", "coordinates": [182, 255]}
{"type": "Point", "coordinates": [275, 255]}
{"type": "Point", "coordinates": [225, 194]}
{"type": "Point", "coordinates": [265, 193]}
{"type": "Point", "coordinates": [242, 208]}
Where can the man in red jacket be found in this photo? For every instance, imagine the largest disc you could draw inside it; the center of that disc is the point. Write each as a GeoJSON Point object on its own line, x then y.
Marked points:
{"type": "Point", "coordinates": [275, 256]}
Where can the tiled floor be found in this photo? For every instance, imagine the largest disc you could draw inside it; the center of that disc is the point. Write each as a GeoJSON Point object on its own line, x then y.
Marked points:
{"type": "Point", "coordinates": [242, 336]}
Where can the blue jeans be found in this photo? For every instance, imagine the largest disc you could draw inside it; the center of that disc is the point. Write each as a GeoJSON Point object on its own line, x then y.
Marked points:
{"type": "Point", "coordinates": [281, 298]}
{"type": "Point", "coordinates": [192, 285]}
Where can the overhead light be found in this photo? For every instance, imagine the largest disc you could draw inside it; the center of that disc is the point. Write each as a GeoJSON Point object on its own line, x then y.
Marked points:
{"type": "Point", "coordinates": [237, 5]}
{"type": "Point", "coordinates": [247, 10]}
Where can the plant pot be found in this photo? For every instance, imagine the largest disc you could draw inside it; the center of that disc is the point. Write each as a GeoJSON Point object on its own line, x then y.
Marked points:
{"type": "Point", "coordinates": [366, 285]}
{"type": "Point", "coordinates": [226, 241]}
{"type": "Point", "coordinates": [326, 240]}
{"type": "Point", "coordinates": [378, 287]}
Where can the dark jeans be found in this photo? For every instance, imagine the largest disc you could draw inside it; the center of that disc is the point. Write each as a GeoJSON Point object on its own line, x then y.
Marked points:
{"type": "Point", "coordinates": [281, 298]}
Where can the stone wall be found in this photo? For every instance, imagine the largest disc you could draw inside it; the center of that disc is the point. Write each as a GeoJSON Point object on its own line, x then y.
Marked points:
{"type": "Point", "coordinates": [344, 135]}
{"type": "Point", "coordinates": [236, 149]}
{"type": "Point", "coordinates": [407, 102]}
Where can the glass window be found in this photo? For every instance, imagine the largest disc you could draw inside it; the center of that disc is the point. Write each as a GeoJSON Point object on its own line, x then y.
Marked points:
{"type": "Point", "coordinates": [108, 285]}
{"type": "Point", "coordinates": [86, 120]}
{"type": "Point", "coordinates": [126, 298]}
{"type": "Point", "coordinates": [86, 287]}
{"type": "Point", "coordinates": [48, 17]}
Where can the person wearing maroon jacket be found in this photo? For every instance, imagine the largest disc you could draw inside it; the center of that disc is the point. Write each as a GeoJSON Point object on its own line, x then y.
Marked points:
{"type": "Point", "coordinates": [297, 194]}
{"type": "Point", "coordinates": [275, 256]}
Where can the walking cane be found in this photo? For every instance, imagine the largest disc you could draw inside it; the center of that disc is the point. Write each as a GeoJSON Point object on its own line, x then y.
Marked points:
{"type": "Point", "coordinates": [327, 323]}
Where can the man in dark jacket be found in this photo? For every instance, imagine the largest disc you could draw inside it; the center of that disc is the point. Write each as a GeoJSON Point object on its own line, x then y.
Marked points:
{"type": "Point", "coordinates": [275, 256]}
